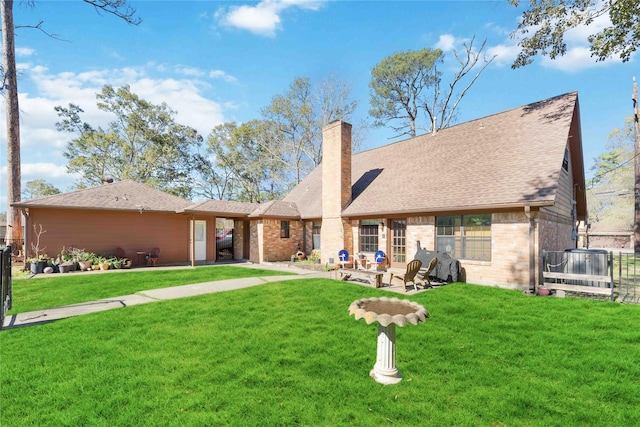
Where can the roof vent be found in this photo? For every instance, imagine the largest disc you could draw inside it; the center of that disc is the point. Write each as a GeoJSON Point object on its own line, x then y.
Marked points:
{"type": "Point", "coordinates": [107, 180]}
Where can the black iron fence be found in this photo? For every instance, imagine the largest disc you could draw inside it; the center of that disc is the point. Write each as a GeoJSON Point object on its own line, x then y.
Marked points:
{"type": "Point", "coordinates": [583, 270]}
{"type": "Point", "coordinates": [5, 277]}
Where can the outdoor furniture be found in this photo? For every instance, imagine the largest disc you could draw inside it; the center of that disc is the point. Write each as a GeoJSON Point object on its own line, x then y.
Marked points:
{"type": "Point", "coordinates": [141, 255]}
{"type": "Point", "coordinates": [427, 272]}
{"type": "Point", "coordinates": [343, 259]}
{"type": "Point", "coordinates": [447, 269]}
{"type": "Point", "coordinates": [153, 256]}
{"type": "Point", "coordinates": [373, 277]}
{"type": "Point", "coordinates": [361, 262]}
{"type": "Point", "coordinates": [410, 274]}
{"type": "Point", "coordinates": [378, 259]}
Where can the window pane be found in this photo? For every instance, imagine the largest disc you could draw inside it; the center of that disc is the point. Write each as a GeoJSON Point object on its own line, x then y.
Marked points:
{"type": "Point", "coordinates": [466, 236]}
{"type": "Point", "coordinates": [284, 229]}
{"type": "Point", "coordinates": [368, 235]}
{"type": "Point", "coordinates": [317, 226]}
{"type": "Point", "coordinates": [399, 240]}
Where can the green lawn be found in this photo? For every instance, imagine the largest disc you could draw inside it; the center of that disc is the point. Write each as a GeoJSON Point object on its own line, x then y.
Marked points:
{"type": "Point", "coordinates": [288, 353]}
{"type": "Point", "coordinates": [64, 289]}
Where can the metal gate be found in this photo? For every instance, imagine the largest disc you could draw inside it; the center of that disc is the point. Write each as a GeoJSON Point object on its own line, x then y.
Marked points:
{"type": "Point", "coordinates": [627, 277]}
{"type": "Point", "coordinates": [5, 277]}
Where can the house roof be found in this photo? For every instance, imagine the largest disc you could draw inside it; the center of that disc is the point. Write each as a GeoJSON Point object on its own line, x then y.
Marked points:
{"type": "Point", "coordinates": [223, 208]}
{"type": "Point", "coordinates": [276, 209]}
{"type": "Point", "coordinates": [123, 195]}
{"type": "Point", "coordinates": [504, 160]}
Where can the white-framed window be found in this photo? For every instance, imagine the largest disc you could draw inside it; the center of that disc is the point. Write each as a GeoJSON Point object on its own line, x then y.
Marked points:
{"type": "Point", "coordinates": [368, 235]}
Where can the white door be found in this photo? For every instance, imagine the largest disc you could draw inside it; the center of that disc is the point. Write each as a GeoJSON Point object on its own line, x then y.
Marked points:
{"type": "Point", "coordinates": [201, 240]}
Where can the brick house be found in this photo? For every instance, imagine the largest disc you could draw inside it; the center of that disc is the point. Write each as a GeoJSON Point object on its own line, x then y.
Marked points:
{"type": "Point", "coordinates": [492, 192]}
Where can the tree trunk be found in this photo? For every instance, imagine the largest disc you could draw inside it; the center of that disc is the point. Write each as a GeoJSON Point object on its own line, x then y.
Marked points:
{"type": "Point", "coordinates": [14, 216]}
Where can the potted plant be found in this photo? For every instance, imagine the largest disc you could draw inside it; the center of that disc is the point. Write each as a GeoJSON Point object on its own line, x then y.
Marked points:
{"type": "Point", "coordinates": [104, 263]}
{"type": "Point", "coordinates": [85, 260]}
{"type": "Point", "coordinates": [543, 292]}
{"type": "Point", "coordinates": [39, 260]}
{"type": "Point", "coordinates": [66, 260]}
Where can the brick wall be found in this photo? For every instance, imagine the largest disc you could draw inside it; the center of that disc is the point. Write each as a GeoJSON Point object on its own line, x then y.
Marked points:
{"type": "Point", "coordinates": [273, 247]}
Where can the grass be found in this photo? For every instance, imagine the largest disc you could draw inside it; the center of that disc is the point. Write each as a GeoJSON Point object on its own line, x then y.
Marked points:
{"type": "Point", "coordinates": [64, 289]}
{"type": "Point", "coordinates": [288, 353]}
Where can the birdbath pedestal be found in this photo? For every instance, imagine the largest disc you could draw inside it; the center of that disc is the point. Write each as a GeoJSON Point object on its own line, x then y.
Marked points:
{"type": "Point", "coordinates": [388, 312]}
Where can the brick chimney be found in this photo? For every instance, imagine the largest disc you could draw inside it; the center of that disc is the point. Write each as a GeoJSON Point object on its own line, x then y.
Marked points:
{"type": "Point", "coordinates": [336, 189]}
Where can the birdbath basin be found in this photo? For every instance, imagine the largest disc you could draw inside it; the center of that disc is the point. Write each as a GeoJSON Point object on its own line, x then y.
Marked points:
{"type": "Point", "coordinates": [388, 312]}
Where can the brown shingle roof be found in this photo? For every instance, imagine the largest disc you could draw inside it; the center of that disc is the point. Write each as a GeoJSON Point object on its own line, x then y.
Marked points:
{"type": "Point", "coordinates": [276, 209]}
{"type": "Point", "coordinates": [223, 208]}
{"type": "Point", "coordinates": [508, 159]}
{"type": "Point", "coordinates": [124, 195]}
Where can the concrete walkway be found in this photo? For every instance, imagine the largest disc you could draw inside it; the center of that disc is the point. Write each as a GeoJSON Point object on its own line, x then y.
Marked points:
{"type": "Point", "coordinates": [153, 295]}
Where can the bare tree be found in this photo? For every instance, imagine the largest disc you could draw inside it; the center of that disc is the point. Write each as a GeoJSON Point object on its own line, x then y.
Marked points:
{"type": "Point", "coordinates": [407, 83]}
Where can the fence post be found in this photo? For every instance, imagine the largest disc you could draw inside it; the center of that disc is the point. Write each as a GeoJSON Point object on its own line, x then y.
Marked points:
{"type": "Point", "coordinates": [5, 283]}
{"type": "Point", "coordinates": [611, 274]}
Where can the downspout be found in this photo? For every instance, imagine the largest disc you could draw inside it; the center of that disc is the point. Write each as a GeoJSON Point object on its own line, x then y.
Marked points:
{"type": "Point", "coordinates": [193, 240]}
{"type": "Point", "coordinates": [304, 237]}
{"type": "Point", "coordinates": [532, 247]}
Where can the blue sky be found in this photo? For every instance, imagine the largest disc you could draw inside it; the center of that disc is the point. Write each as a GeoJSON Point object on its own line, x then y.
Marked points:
{"type": "Point", "coordinates": [220, 61]}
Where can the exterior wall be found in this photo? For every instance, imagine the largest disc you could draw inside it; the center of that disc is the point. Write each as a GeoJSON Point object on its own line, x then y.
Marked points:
{"type": "Point", "coordinates": [238, 239]}
{"type": "Point", "coordinates": [558, 223]}
{"type": "Point", "coordinates": [420, 229]}
{"type": "Point", "coordinates": [307, 245]}
{"type": "Point", "coordinates": [102, 232]}
{"type": "Point", "coordinates": [275, 248]}
{"type": "Point", "coordinates": [556, 231]}
{"type": "Point", "coordinates": [257, 246]}
{"type": "Point", "coordinates": [509, 263]}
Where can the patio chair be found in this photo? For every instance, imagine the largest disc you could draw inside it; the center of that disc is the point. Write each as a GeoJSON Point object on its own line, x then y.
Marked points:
{"type": "Point", "coordinates": [343, 259]}
{"type": "Point", "coordinates": [430, 268]}
{"type": "Point", "coordinates": [153, 256]}
{"type": "Point", "coordinates": [410, 275]}
{"type": "Point", "coordinates": [379, 259]}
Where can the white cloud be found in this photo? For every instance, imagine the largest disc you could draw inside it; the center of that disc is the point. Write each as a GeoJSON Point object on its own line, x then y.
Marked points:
{"type": "Point", "coordinates": [219, 74]}
{"type": "Point", "coordinates": [263, 19]}
{"type": "Point", "coordinates": [446, 43]}
{"type": "Point", "coordinates": [46, 171]}
{"type": "Point", "coordinates": [43, 146]}
{"type": "Point", "coordinates": [575, 59]}
{"type": "Point", "coordinates": [504, 54]}
{"type": "Point", "coordinates": [24, 51]}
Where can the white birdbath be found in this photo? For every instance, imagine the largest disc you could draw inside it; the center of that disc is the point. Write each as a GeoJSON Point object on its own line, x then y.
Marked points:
{"type": "Point", "coordinates": [388, 312]}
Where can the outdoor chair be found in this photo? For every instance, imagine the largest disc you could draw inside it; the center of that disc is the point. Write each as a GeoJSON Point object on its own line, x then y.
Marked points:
{"type": "Point", "coordinates": [410, 275]}
{"type": "Point", "coordinates": [430, 268]}
{"type": "Point", "coordinates": [153, 256]}
{"type": "Point", "coordinates": [343, 259]}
